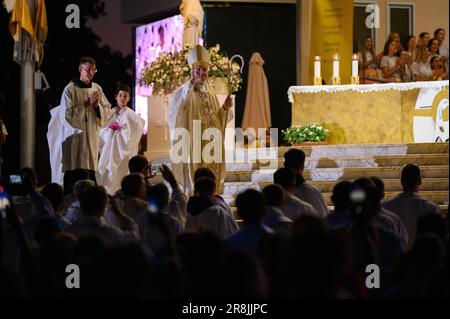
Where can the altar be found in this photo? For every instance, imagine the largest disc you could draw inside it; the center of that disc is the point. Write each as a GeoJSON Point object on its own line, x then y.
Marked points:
{"type": "Point", "coordinates": [377, 113]}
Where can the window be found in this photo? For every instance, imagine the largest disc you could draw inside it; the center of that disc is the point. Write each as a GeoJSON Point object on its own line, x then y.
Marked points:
{"type": "Point", "coordinates": [401, 19]}
{"type": "Point", "coordinates": [360, 30]}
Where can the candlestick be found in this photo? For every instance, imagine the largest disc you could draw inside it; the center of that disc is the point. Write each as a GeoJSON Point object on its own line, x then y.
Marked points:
{"type": "Point", "coordinates": [317, 67]}
{"type": "Point", "coordinates": [336, 66]}
{"type": "Point", "coordinates": [317, 70]}
{"type": "Point", "coordinates": [355, 63]}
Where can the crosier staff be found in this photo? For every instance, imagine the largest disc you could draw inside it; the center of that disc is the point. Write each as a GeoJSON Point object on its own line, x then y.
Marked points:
{"type": "Point", "coordinates": [230, 88]}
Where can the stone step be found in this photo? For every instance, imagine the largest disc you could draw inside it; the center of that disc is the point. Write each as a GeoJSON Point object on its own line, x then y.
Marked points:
{"type": "Point", "coordinates": [369, 149]}
{"type": "Point", "coordinates": [391, 185]}
{"type": "Point", "coordinates": [347, 162]}
{"type": "Point", "coordinates": [333, 174]}
{"type": "Point", "coordinates": [438, 197]}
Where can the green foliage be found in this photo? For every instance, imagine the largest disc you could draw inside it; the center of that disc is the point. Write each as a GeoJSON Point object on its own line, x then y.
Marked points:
{"type": "Point", "coordinates": [311, 132]}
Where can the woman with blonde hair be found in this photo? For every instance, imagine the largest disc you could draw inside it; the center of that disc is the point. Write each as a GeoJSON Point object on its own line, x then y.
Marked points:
{"type": "Point", "coordinates": [421, 69]}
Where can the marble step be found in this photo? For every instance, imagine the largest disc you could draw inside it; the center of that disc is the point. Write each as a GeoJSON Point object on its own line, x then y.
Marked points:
{"type": "Point", "coordinates": [370, 149]}
{"type": "Point", "coordinates": [355, 162]}
{"type": "Point", "coordinates": [333, 174]}
{"type": "Point", "coordinates": [438, 197]}
{"type": "Point", "coordinates": [391, 185]}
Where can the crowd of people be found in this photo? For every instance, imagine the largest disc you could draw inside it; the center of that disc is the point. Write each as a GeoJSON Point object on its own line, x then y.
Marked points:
{"type": "Point", "coordinates": [418, 59]}
{"type": "Point", "coordinates": [151, 240]}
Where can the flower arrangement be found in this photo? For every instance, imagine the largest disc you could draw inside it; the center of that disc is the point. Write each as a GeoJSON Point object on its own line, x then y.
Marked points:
{"type": "Point", "coordinates": [311, 132]}
{"type": "Point", "coordinates": [170, 70]}
{"type": "Point", "coordinates": [115, 126]}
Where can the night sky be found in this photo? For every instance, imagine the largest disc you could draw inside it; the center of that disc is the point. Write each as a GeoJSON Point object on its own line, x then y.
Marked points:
{"type": "Point", "coordinates": [120, 39]}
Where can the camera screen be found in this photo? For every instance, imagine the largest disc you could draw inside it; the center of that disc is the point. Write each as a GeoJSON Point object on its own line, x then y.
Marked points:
{"type": "Point", "coordinates": [15, 179]}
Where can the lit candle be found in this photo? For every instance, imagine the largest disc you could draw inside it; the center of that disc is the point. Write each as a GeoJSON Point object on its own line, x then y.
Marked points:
{"type": "Point", "coordinates": [317, 70]}
{"type": "Point", "coordinates": [336, 66]}
{"type": "Point", "coordinates": [355, 62]}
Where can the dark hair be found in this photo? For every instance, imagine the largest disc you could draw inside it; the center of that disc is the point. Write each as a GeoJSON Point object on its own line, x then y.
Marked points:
{"type": "Point", "coordinates": [55, 194]}
{"type": "Point", "coordinates": [29, 177]}
{"type": "Point", "coordinates": [438, 30]}
{"type": "Point", "coordinates": [410, 176]}
{"type": "Point", "coordinates": [379, 185]}
{"type": "Point", "coordinates": [430, 43]}
{"type": "Point", "coordinates": [131, 184]}
{"type": "Point", "coordinates": [204, 172]}
{"type": "Point", "coordinates": [93, 200]}
{"type": "Point", "coordinates": [364, 50]}
{"type": "Point", "coordinates": [294, 159]}
{"type": "Point", "coordinates": [434, 58]}
{"type": "Point", "coordinates": [284, 177]}
{"type": "Point", "coordinates": [386, 47]}
{"type": "Point", "coordinates": [137, 164]}
{"type": "Point", "coordinates": [405, 46]}
{"type": "Point", "coordinates": [205, 185]}
{"type": "Point", "coordinates": [250, 206]}
{"type": "Point", "coordinates": [159, 194]}
{"type": "Point", "coordinates": [341, 195]}
{"type": "Point", "coordinates": [123, 87]}
{"type": "Point", "coordinates": [86, 59]}
{"type": "Point", "coordinates": [423, 34]}
{"type": "Point", "coordinates": [273, 195]}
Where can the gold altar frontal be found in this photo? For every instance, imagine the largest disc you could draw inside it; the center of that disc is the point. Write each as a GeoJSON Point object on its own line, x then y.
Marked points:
{"type": "Point", "coordinates": [367, 116]}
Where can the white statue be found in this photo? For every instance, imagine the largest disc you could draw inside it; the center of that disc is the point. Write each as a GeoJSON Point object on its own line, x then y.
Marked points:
{"type": "Point", "coordinates": [192, 12]}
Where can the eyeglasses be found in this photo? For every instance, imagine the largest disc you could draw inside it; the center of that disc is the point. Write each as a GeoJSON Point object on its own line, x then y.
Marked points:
{"type": "Point", "coordinates": [90, 70]}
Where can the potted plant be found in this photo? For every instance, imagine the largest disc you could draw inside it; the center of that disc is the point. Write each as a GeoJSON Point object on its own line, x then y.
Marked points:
{"type": "Point", "coordinates": [307, 134]}
{"type": "Point", "coordinates": [170, 70]}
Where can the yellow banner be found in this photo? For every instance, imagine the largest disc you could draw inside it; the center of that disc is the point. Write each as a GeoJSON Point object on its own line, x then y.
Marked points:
{"type": "Point", "coordinates": [332, 33]}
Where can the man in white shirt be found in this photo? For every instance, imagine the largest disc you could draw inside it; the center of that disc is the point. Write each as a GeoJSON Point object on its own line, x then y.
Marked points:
{"type": "Point", "coordinates": [93, 203]}
{"type": "Point", "coordinates": [294, 159]}
{"type": "Point", "coordinates": [205, 214]}
{"type": "Point", "coordinates": [275, 198]}
{"type": "Point", "coordinates": [293, 207]}
{"type": "Point", "coordinates": [409, 205]}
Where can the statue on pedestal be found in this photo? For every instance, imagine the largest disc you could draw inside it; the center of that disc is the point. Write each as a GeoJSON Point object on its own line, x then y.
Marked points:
{"type": "Point", "coordinates": [192, 12]}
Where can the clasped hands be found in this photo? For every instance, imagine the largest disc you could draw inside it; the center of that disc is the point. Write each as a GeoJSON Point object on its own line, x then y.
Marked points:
{"type": "Point", "coordinates": [92, 100]}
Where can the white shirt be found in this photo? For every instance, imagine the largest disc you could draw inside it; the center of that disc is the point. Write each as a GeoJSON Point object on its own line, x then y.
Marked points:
{"type": "Point", "coordinates": [312, 196]}
{"type": "Point", "coordinates": [214, 219]}
{"type": "Point", "coordinates": [410, 207]}
{"type": "Point", "coordinates": [422, 69]}
{"type": "Point", "coordinates": [443, 50]}
{"type": "Point", "coordinates": [295, 208]}
{"type": "Point", "coordinates": [4, 131]}
{"type": "Point", "coordinates": [390, 62]}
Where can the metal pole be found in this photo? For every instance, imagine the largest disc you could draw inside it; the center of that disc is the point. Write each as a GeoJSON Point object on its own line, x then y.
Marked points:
{"type": "Point", "coordinates": [27, 114]}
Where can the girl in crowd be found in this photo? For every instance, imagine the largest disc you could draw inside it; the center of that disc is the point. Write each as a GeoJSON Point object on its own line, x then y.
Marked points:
{"type": "Point", "coordinates": [439, 73]}
{"type": "Point", "coordinates": [390, 63]}
{"type": "Point", "coordinates": [410, 46]}
{"type": "Point", "coordinates": [439, 35]}
{"type": "Point", "coordinates": [433, 47]}
{"type": "Point", "coordinates": [368, 61]}
{"type": "Point", "coordinates": [421, 68]}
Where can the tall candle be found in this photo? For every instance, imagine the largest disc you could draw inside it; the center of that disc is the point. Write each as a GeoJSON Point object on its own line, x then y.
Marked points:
{"type": "Point", "coordinates": [317, 66]}
{"type": "Point", "coordinates": [336, 66]}
{"type": "Point", "coordinates": [355, 62]}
